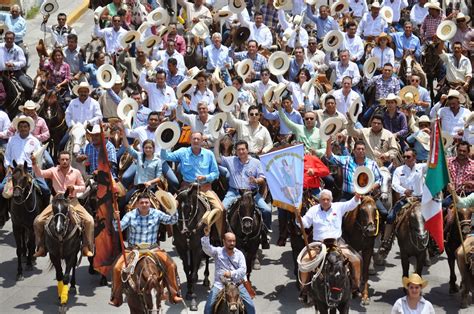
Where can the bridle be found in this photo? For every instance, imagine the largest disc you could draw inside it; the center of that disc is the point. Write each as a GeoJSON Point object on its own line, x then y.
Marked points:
{"type": "Point", "coordinates": [186, 221]}
{"type": "Point", "coordinates": [30, 194]}
{"type": "Point", "coordinates": [141, 290]}
{"type": "Point", "coordinates": [365, 228]}
{"type": "Point", "coordinates": [331, 302]}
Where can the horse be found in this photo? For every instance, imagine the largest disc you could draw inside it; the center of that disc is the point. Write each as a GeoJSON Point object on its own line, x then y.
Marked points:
{"type": "Point", "coordinates": [360, 228]}
{"type": "Point", "coordinates": [145, 286]}
{"type": "Point", "coordinates": [4, 216]}
{"type": "Point", "coordinates": [25, 205]}
{"type": "Point", "coordinates": [432, 66]}
{"type": "Point", "coordinates": [194, 55]}
{"type": "Point", "coordinates": [40, 85]}
{"type": "Point", "coordinates": [228, 300]}
{"type": "Point", "coordinates": [465, 259]}
{"type": "Point", "coordinates": [386, 196]}
{"type": "Point", "coordinates": [14, 91]}
{"type": "Point", "coordinates": [331, 289]}
{"type": "Point", "coordinates": [52, 112]}
{"type": "Point", "coordinates": [63, 242]}
{"type": "Point", "coordinates": [408, 67]}
{"type": "Point", "coordinates": [77, 141]}
{"type": "Point", "coordinates": [453, 239]}
{"type": "Point", "coordinates": [245, 221]}
{"type": "Point", "coordinates": [187, 234]}
{"type": "Point", "coordinates": [412, 236]}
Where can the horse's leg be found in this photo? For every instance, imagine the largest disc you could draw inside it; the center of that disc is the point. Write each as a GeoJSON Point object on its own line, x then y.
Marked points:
{"type": "Point", "coordinates": [195, 262]}
{"type": "Point", "coordinates": [30, 244]}
{"type": "Point", "coordinates": [405, 263]}
{"type": "Point", "coordinates": [59, 273]}
{"type": "Point", "coordinates": [366, 257]}
{"type": "Point", "coordinates": [17, 232]}
{"type": "Point", "coordinates": [453, 288]}
{"type": "Point", "coordinates": [420, 262]}
{"type": "Point", "coordinates": [72, 285]}
{"type": "Point", "coordinates": [206, 282]}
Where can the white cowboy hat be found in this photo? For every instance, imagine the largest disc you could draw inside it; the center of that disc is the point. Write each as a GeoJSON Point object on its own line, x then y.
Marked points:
{"type": "Point", "coordinates": [144, 26]}
{"type": "Point", "coordinates": [81, 85]}
{"type": "Point", "coordinates": [268, 96]}
{"type": "Point", "coordinates": [39, 155]}
{"type": "Point", "coordinates": [216, 76]}
{"type": "Point", "coordinates": [288, 33]}
{"type": "Point", "coordinates": [129, 119]}
{"type": "Point", "coordinates": [185, 86]}
{"type": "Point", "coordinates": [98, 11]}
{"type": "Point", "coordinates": [236, 6]}
{"type": "Point", "coordinates": [423, 119]}
{"type": "Point", "coordinates": [333, 40]}
{"type": "Point", "coordinates": [23, 118]}
{"type": "Point", "coordinates": [306, 87]}
{"type": "Point", "coordinates": [311, 2]}
{"type": "Point", "coordinates": [446, 30]}
{"type": "Point", "coordinates": [106, 75]}
{"type": "Point", "coordinates": [163, 138]}
{"type": "Point", "coordinates": [283, 5]}
{"type": "Point", "coordinates": [447, 138]}
{"type": "Point", "coordinates": [49, 7]}
{"type": "Point", "coordinates": [3, 28]}
{"type": "Point", "coordinates": [158, 16]}
{"type": "Point", "coordinates": [456, 94]}
{"type": "Point", "coordinates": [355, 109]}
{"type": "Point", "coordinates": [200, 30]}
{"type": "Point", "coordinates": [193, 72]}
{"type": "Point", "coordinates": [129, 38]}
{"type": "Point", "coordinates": [409, 94]}
{"type": "Point", "coordinates": [461, 16]}
{"type": "Point", "coordinates": [95, 129]}
{"type": "Point", "coordinates": [150, 42]}
{"type": "Point", "coordinates": [329, 127]}
{"type": "Point", "coordinates": [370, 66]}
{"type": "Point", "coordinates": [167, 200]}
{"type": "Point", "coordinates": [375, 5]}
{"type": "Point", "coordinates": [162, 30]}
{"type": "Point", "coordinates": [297, 19]}
{"type": "Point", "coordinates": [216, 124]}
{"type": "Point", "coordinates": [227, 98]}
{"type": "Point", "coordinates": [424, 139]}
{"type": "Point", "coordinates": [278, 63]}
{"type": "Point", "coordinates": [223, 14]}
{"type": "Point", "coordinates": [338, 7]}
{"type": "Point", "coordinates": [363, 180]}
{"type": "Point", "coordinates": [244, 68]}
{"type": "Point", "coordinates": [387, 14]}
{"type": "Point", "coordinates": [469, 119]}
{"type": "Point", "coordinates": [278, 91]}
{"type": "Point", "coordinates": [30, 105]}
{"type": "Point", "coordinates": [433, 5]}
{"type": "Point", "coordinates": [391, 96]}
{"type": "Point", "coordinates": [125, 106]}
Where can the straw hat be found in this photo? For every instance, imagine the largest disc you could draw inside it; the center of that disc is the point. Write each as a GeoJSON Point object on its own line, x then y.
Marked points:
{"type": "Point", "coordinates": [106, 76]}
{"type": "Point", "coordinates": [159, 16]}
{"type": "Point", "coordinates": [30, 105]}
{"type": "Point", "coordinates": [423, 119]}
{"type": "Point", "coordinates": [125, 106]}
{"type": "Point", "coordinates": [414, 278]}
{"type": "Point", "coordinates": [306, 87]}
{"type": "Point", "coordinates": [81, 85]}
{"type": "Point", "coordinates": [3, 28]}
{"type": "Point", "coordinates": [49, 7]}
{"type": "Point", "coordinates": [383, 35]}
{"type": "Point", "coordinates": [447, 138]}
{"type": "Point", "coordinates": [144, 26]}
{"type": "Point", "coordinates": [424, 139]}
{"type": "Point", "coordinates": [278, 91]}
{"type": "Point", "coordinates": [23, 118]}
{"type": "Point", "coordinates": [329, 127]}
{"type": "Point", "coordinates": [456, 94]}
{"type": "Point", "coordinates": [409, 94]}
{"type": "Point", "coordinates": [461, 16]}
{"type": "Point", "coordinates": [268, 96]}
{"type": "Point", "coordinates": [129, 38]}
{"type": "Point", "coordinates": [333, 40]}
{"type": "Point", "coordinates": [227, 98]}
{"type": "Point", "coordinates": [184, 87]}
{"type": "Point", "coordinates": [162, 30]}
{"type": "Point", "coordinates": [95, 130]}
{"type": "Point", "coordinates": [283, 4]}
{"type": "Point", "coordinates": [355, 109]}
{"type": "Point", "coordinates": [151, 42]}
{"type": "Point", "coordinates": [391, 96]}
{"type": "Point", "coordinates": [244, 68]}
{"type": "Point", "coordinates": [200, 30]}
{"type": "Point", "coordinates": [363, 180]}
{"type": "Point", "coordinates": [433, 5]}
{"type": "Point", "coordinates": [370, 66]}
{"type": "Point", "coordinates": [216, 124]}
{"type": "Point", "coordinates": [223, 14]}
{"type": "Point", "coordinates": [237, 6]}
{"type": "Point", "coordinates": [338, 7]}
{"type": "Point", "coordinates": [39, 155]}
{"type": "Point", "coordinates": [446, 30]}
{"type": "Point", "coordinates": [278, 63]}
{"type": "Point", "coordinates": [167, 134]}
{"type": "Point", "coordinates": [387, 14]}
{"type": "Point", "coordinates": [311, 2]}
{"type": "Point", "coordinates": [167, 200]}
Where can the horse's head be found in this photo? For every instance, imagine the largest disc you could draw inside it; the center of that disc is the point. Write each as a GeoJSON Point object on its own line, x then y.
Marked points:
{"type": "Point", "coordinates": [188, 209]}
{"type": "Point", "coordinates": [336, 276]}
{"type": "Point", "coordinates": [190, 43]}
{"type": "Point", "coordinates": [60, 206]}
{"type": "Point", "coordinates": [418, 234]}
{"type": "Point", "coordinates": [385, 188]}
{"type": "Point", "coordinates": [232, 297]}
{"type": "Point", "coordinates": [246, 211]}
{"type": "Point", "coordinates": [77, 136]}
{"type": "Point", "coordinates": [408, 61]}
{"type": "Point", "coordinates": [21, 179]}
{"type": "Point", "coordinates": [464, 215]}
{"type": "Point", "coordinates": [368, 217]}
{"type": "Point", "coordinates": [115, 136]}
{"type": "Point", "coordinates": [40, 81]}
{"type": "Point", "coordinates": [150, 284]}
{"type": "Point", "coordinates": [49, 106]}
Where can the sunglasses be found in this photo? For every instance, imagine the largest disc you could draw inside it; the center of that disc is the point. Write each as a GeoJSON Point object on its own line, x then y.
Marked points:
{"type": "Point", "coordinates": [309, 119]}
{"type": "Point", "coordinates": [415, 80]}
{"type": "Point", "coordinates": [407, 157]}
{"type": "Point", "coordinates": [254, 114]}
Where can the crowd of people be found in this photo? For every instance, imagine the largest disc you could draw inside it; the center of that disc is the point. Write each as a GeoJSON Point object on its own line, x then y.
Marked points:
{"type": "Point", "coordinates": [260, 74]}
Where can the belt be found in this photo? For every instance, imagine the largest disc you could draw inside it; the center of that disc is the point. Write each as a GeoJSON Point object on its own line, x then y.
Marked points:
{"type": "Point", "coordinates": [203, 187]}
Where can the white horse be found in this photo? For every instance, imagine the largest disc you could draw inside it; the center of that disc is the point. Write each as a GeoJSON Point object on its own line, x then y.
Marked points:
{"type": "Point", "coordinates": [77, 141]}
{"type": "Point", "coordinates": [386, 188]}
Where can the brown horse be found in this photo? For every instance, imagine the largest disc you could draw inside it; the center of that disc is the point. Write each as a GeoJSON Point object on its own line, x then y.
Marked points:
{"type": "Point", "coordinates": [52, 112]}
{"type": "Point", "coordinates": [3, 202]}
{"type": "Point", "coordinates": [432, 65]}
{"type": "Point", "coordinates": [466, 268]}
{"type": "Point", "coordinates": [228, 300]}
{"type": "Point", "coordinates": [408, 67]}
{"type": "Point", "coordinates": [453, 239]}
{"type": "Point", "coordinates": [360, 227]}
{"type": "Point", "coordinates": [40, 84]}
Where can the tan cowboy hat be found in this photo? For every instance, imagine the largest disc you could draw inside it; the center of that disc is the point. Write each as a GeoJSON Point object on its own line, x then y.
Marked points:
{"type": "Point", "coordinates": [158, 16]}
{"type": "Point", "coordinates": [106, 76]}
{"type": "Point", "coordinates": [193, 72]}
{"type": "Point", "coordinates": [409, 94]}
{"type": "Point", "coordinates": [391, 96]}
{"type": "Point", "coordinates": [456, 94]}
{"type": "Point", "coordinates": [3, 28]}
{"type": "Point", "coordinates": [414, 278]}
{"type": "Point", "coordinates": [210, 217]}
{"type": "Point", "coordinates": [125, 106]}
{"type": "Point", "coordinates": [244, 68]}
{"type": "Point", "coordinates": [23, 118]}
{"type": "Point", "coordinates": [167, 200]}
{"type": "Point", "coordinates": [151, 42]}
{"type": "Point", "coordinates": [333, 40]}
{"type": "Point", "coordinates": [81, 85]}
{"type": "Point", "coordinates": [329, 127]}
{"type": "Point", "coordinates": [387, 14]}
{"type": "Point", "coordinates": [447, 138]}
{"type": "Point", "coordinates": [216, 124]}
{"type": "Point", "coordinates": [237, 6]}
{"type": "Point", "coordinates": [283, 4]}
{"type": "Point", "coordinates": [383, 35]}
{"type": "Point", "coordinates": [461, 16]}
{"type": "Point", "coordinates": [363, 180]}
{"type": "Point", "coordinates": [446, 30]}
{"type": "Point", "coordinates": [167, 134]}
{"type": "Point", "coordinates": [278, 63]}
{"type": "Point", "coordinates": [129, 38]}
{"type": "Point", "coordinates": [184, 87]}
{"type": "Point", "coordinates": [338, 7]}
{"type": "Point", "coordinates": [241, 35]}
{"type": "Point", "coordinates": [268, 96]}
{"type": "Point", "coordinates": [95, 129]}
{"type": "Point", "coordinates": [423, 119]}
{"type": "Point", "coordinates": [30, 105]}
{"type": "Point", "coordinates": [49, 7]}
{"type": "Point", "coordinates": [278, 91]}
{"type": "Point", "coordinates": [162, 30]}
{"type": "Point", "coordinates": [376, 4]}
{"type": "Point", "coordinates": [216, 76]}
{"type": "Point", "coordinates": [370, 66]}
{"type": "Point", "coordinates": [223, 14]}
{"type": "Point", "coordinates": [200, 30]}
{"type": "Point", "coordinates": [424, 139]}
{"type": "Point", "coordinates": [433, 5]}
{"type": "Point", "coordinates": [355, 109]}
{"type": "Point", "coordinates": [227, 98]}
{"type": "Point", "coordinates": [144, 26]}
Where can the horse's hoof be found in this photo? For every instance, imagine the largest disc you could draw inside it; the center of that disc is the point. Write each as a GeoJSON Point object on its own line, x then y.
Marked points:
{"type": "Point", "coordinates": [103, 282]}
{"type": "Point", "coordinates": [73, 290]}
{"type": "Point", "coordinates": [256, 264]}
{"type": "Point", "coordinates": [365, 301]}
{"type": "Point", "coordinates": [19, 277]}
{"type": "Point", "coordinates": [206, 283]}
{"type": "Point", "coordinates": [464, 304]}
{"type": "Point", "coordinates": [453, 289]}
{"type": "Point", "coordinates": [193, 307]}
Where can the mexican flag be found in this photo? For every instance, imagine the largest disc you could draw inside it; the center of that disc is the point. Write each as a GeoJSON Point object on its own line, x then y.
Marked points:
{"type": "Point", "coordinates": [437, 177]}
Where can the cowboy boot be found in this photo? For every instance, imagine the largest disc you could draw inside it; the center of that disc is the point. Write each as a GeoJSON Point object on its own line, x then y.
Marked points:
{"type": "Point", "coordinates": [116, 298]}
{"type": "Point", "coordinates": [387, 242]}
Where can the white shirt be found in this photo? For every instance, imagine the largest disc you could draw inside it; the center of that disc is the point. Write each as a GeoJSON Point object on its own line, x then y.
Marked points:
{"type": "Point", "coordinates": [298, 94]}
{"type": "Point", "coordinates": [423, 307]}
{"type": "Point", "coordinates": [343, 103]}
{"type": "Point", "coordinates": [259, 88]}
{"type": "Point", "coordinates": [371, 27]}
{"type": "Point", "coordinates": [143, 133]}
{"type": "Point", "coordinates": [4, 124]}
{"type": "Point", "coordinates": [359, 7]}
{"type": "Point", "coordinates": [261, 34]}
{"type": "Point", "coordinates": [303, 34]}
{"type": "Point", "coordinates": [82, 112]}
{"type": "Point", "coordinates": [20, 149]}
{"type": "Point", "coordinates": [259, 139]}
{"type": "Point", "coordinates": [386, 55]}
{"type": "Point", "coordinates": [355, 46]}
{"type": "Point", "coordinates": [328, 224]}
{"type": "Point", "coordinates": [456, 74]}
{"type": "Point", "coordinates": [397, 6]}
{"type": "Point", "coordinates": [158, 97]}
{"type": "Point", "coordinates": [351, 70]}
{"type": "Point", "coordinates": [198, 96]}
{"type": "Point", "coordinates": [406, 178]}
{"type": "Point", "coordinates": [163, 55]}
{"type": "Point", "coordinates": [317, 60]}
{"type": "Point", "coordinates": [418, 14]}
{"type": "Point", "coordinates": [196, 124]}
{"type": "Point", "coordinates": [14, 55]}
{"type": "Point", "coordinates": [451, 123]}
{"type": "Point", "coordinates": [111, 37]}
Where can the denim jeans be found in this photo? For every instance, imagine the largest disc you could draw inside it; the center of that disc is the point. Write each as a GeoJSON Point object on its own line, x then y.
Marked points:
{"type": "Point", "coordinates": [173, 184]}
{"type": "Point", "coordinates": [211, 299]}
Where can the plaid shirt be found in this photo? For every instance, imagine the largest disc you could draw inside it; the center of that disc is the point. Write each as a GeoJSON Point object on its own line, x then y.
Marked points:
{"type": "Point", "coordinates": [259, 62]}
{"type": "Point", "coordinates": [93, 155]}
{"type": "Point", "coordinates": [349, 166]}
{"type": "Point", "coordinates": [429, 26]}
{"type": "Point", "coordinates": [144, 229]}
{"type": "Point", "coordinates": [270, 16]}
{"type": "Point", "coordinates": [461, 173]}
{"type": "Point", "coordinates": [384, 87]}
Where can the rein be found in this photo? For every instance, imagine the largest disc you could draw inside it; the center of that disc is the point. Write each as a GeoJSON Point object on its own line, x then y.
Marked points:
{"type": "Point", "coordinates": [247, 238]}
{"type": "Point", "coordinates": [141, 290]}
{"type": "Point", "coordinates": [194, 211]}
{"type": "Point", "coordinates": [30, 193]}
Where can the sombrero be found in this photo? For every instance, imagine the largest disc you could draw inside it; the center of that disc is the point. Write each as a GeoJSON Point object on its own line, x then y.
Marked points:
{"type": "Point", "coordinates": [322, 99]}
{"type": "Point", "coordinates": [106, 76]}
{"type": "Point", "coordinates": [268, 96]}
{"type": "Point", "coordinates": [332, 41]}
{"type": "Point", "coordinates": [338, 7]}
{"type": "Point", "coordinates": [414, 278]}
{"type": "Point", "coordinates": [283, 5]}
{"type": "Point", "coordinates": [241, 35]}
{"type": "Point", "coordinates": [461, 16]}
{"type": "Point", "coordinates": [355, 109]}
{"type": "Point", "coordinates": [30, 105]}
{"type": "Point", "coordinates": [363, 180]}
{"type": "Point", "coordinates": [129, 38]}
{"type": "Point", "coordinates": [159, 16]}
{"type": "Point", "coordinates": [39, 155]}
{"type": "Point", "coordinates": [81, 85]}
{"type": "Point", "coordinates": [409, 94]}
{"type": "Point", "coordinates": [236, 6]}
{"type": "Point", "coordinates": [391, 96]}
{"type": "Point", "coordinates": [423, 119]}
{"type": "Point", "coordinates": [23, 118]}
{"type": "Point", "coordinates": [125, 106]}
{"type": "Point", "coordinates": [184, 87]}
{"type": "Point", "coordinates": [376, 4]}
{"type": "Point", "coordinates": [278, 63]}
{"type": "Point", "coordinates": [162, 30]}
{"type": "Point", "coordinates": [223, 14]}
{"type": "Point", "coordinates": [167, 134]}
{"type": "Point", "coordinates": [144, 26]}
{"type": "Point", "coordinates": [447, 138]}
{"type": "Point", "coordinates": [227, 98]}
{"type": "Point", "coordinates": [244, 68]}
{"type": "Point", "coordinates": [433, 5]}
{"type": "Point", "coordinates": [370, 66]}
{"type": "Point", "coordinates": [387, 14]}
{"type": "Point", "coordinates": [49, 7]}
{"type": "Point", "coordinates": [329, 127]}
{"type": "Point", "coordinates": [446, 30]}
{"type": "Point", "coordinates": [129, 119]}
{"type": "Point", "coordinates": [193, 72]}
{"type": "Point", "coordinates": [217, 123]}
{"type": "Point", "coordinates": [95, 129]}
{"type": "Point", "coordinates": [306, 87]}
{"type": "Point", "coordinates": [200, 30]}
{"type": "Point", "coordinates": [278, 91]}
{"type": "Point", "coordinates": [456, 94]}
{"type": "Point", "coordinates": [167, 200]}
{"type": "Point", "coordinates": [151, 42]}
{"type": "Point", "coordinates": [424, 139]}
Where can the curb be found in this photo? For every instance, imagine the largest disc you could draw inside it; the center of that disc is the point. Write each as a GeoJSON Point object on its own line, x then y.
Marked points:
{"type": "Point", "coordinates": [78, 12]}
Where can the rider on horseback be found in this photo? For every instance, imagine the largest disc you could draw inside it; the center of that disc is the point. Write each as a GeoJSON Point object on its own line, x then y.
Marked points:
{"type": "Point", "coordinates": [144, 222]}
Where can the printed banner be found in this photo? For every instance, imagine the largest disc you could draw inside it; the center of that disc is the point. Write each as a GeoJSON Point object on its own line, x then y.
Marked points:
{"type": "Point", "coordinates": [284, 172]}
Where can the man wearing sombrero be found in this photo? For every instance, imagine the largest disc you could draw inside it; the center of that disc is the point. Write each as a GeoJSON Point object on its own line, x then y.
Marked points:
{"type": "Point", "coordinates": [372, 23]}
{"type": "Point", "coordinates": [453, 115]}
{"type": "Point", "coordinates": [463, 28]}
{"type": "Point", "coordinates": [432, 20]}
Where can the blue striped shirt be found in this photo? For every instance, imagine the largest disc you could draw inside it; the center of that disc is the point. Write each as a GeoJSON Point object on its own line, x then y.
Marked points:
{"type": "Point", "coordinates": [93, 155]}
{"type": "Point", "coordinates": [240, 173]}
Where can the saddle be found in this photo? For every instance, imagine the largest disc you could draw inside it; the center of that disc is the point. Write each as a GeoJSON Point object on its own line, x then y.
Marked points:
{"type": "Point", "coordinates": [411, 201]}
{"type": "Point", "coordinates": [139, 252]}
{"type": "Point", "coordinates": [74, 219]}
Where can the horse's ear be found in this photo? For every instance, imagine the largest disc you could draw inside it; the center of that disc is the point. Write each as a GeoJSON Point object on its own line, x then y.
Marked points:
{"type": "Point", "coordinates": [66, 194]}
{"type": "Point", "coordinates": [25, 165]}
{"type": "Point", "coordinates": [14, 164]}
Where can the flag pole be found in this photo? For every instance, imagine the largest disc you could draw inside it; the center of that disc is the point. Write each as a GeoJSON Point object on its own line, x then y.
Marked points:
{"type": "Point", "coordinates": [303, 232]}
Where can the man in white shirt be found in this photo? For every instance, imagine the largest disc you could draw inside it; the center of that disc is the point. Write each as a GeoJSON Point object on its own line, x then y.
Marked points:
{"type": "Point", "coordinates": [359, 8]}
{"type": "Point", "coordinates": [299, 35]}
{"type": "Point", "coordinates": [418, 13]}
{"type": "Point", "coordinates": [453, 116]}
{"type": "Point", "coordinates": [59, 32]}
{"type": "Point", "coordinates": [161, 97]}
{"type": "Point", "coordinates": [315, 56]}
{"type": "Point", "coordinates": [168, 53]}
{"type": "Point", "coordinates": [458, 67]}
{"type": "Point", "coordinates": [353, 43]}
{"type": "Point", "coordinates": [344, 67]}
{"type": "Point", "coordinates": [258, 31]}
{"type": "Point", "coordinates": [397, 6]}
{"type": "Point", "coordinates": [260, 87]}
{"type": "Point", "coordinates": [196, 12]}
{"type": "Point", "coordinates": [345, 96]}
{"type": "Point", "coordinates": [217, 55]}
{"type": "Point", "coordinates": [372, 24]}
{"type": "Point", "coordinates": [111, 35]}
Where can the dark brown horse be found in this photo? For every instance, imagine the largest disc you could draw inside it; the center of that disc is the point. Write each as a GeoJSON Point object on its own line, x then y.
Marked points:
{"type": "Point", "coordinates": [432, 65]}
{"type": "Point", "coordinates": [465, 261]}
{"type": "Point", "coordinates": [194, 55]}
{"type": "Point", "coordinates": [40, 84]}
{"type": "Point", "coordinates": [3, 202]}
{"type": "Point", "coordinates": [52, 112]}
{"type": "Point", "coordinates": [359, 229]}
{"type": "Point", "coordinates": [228, 300]}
